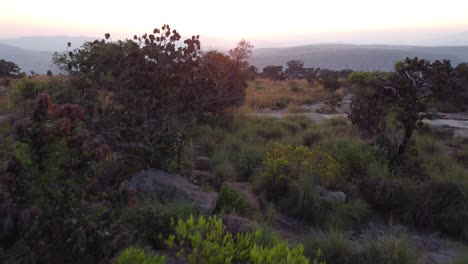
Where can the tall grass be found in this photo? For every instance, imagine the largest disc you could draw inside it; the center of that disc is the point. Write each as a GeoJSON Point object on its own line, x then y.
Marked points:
{"type": "Point", "coordinates": [265, 93]}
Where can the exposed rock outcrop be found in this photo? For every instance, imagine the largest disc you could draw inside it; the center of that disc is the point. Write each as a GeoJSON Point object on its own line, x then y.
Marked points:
{"type": "Point", "coordinates": [158, 183]}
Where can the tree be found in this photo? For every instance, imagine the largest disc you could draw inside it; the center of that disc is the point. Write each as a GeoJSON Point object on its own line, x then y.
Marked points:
{"type": "Point", "coordinates": [155, 87]}
{"type": "Point", "coordinates": [9, 69]}
{"type": "Point", "coordinates": [399, 95]}
{"type": "Point", "coordinates": [55, 191]}
{"type": "Point", "coordinates": [295, 69]}
{"type": "Point", "coordinates": [49, 73]}
{"type": "Point", "coordinates": [241, 53]}
{"type": "Point", "coordinates": [273, 72]}
{"type": "Point", "coordinates": [225, 82]}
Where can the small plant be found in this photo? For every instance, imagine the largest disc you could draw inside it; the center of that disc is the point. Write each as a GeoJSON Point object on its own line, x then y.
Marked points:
{"type": "Point", "coordinates": [151, 218]}
{"type": "Point", "coordinates": [334, 247]}
{"type": "Point", "coordinates": [229, 201]}
{"type": "Point", "coordinates": [134, 255]}
{"type": "Point", "coordinates": [390, 249]}
{"type": "Point", "coordinates": [204, 240]}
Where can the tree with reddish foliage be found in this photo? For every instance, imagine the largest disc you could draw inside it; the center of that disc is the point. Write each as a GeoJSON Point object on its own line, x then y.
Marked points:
{"type": "Point", "coordinates": [156, 86]}
{"type": "Point", "coordinates": [55, 204]}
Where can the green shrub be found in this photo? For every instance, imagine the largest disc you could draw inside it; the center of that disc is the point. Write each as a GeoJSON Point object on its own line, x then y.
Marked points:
{"type": "Point", "coordinates": [250, 160]}
{"type": "Point", "coordinates": [134, 255]}
{"type": "Point", "coordinates": [272, 132]}
{"type": "Point", "coordinates": [205, 241]}
{"type": "Point", "coordinates": [229, 201]}
{"type": "Point", "coordinates": [151, 218]}
{"type": "Point", "coordinates": [390, 249]}
{"type": "Point", "coordinates": [311, 137]}
{"type": "Point", "coordinates": [225, 170]}
{"type": "Point", "coordinates": [286, 163]}
{"type": "Point", "coordinates": [57, 188]}
{"type": "Point", "coordinates": [344, 215]}
{"type": "Point", "coordinates": [353, 155]}
{"type": "Point", "coordinates": [292, 126]}
{"type": "Point", "coordinates": [461, 260]}
{"type": "Point", "coordinates": [334, 248]}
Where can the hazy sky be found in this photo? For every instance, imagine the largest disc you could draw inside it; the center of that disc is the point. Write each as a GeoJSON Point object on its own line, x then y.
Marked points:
{"type": "Point", "coordinates": [275, 21]}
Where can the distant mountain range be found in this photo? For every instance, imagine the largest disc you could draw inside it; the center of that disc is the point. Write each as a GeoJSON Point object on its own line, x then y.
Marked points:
{"type": "Point", "coordinates": [35, 53]}
{"type": "Point", "coordinates": [28, 60]}
{"type": "Point", "coordinates": [355, 57]}
{"type": "Point", "coordinates": [46, 43]}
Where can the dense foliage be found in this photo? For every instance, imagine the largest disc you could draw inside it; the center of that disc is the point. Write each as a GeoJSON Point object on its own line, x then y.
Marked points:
{"type": "Point", "coordinates": [9, 69]}
{"type": "Point", "coordinates": [55, 192]}
{"type": "Point", "coordinates": [205, 241]}
{"type": "Point", "coordinates": [151, 87]}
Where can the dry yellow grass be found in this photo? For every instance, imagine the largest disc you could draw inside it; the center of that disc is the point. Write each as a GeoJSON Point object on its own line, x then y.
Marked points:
{"type": "Point", "coordinates": [265, 93]}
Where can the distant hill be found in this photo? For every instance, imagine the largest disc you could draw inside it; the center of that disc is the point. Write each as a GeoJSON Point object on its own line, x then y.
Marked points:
{"type": "Point", "coordinates": [46, 43]}
{"type": "Point", "coordinates": [28, 60]}
{"type": "Point", "coordinates": [35, 54]}
{"type": "Point", "coordinates": [355, 57]}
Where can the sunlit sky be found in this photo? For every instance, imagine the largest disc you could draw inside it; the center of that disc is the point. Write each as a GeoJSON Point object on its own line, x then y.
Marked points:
{"type": "Point", "coordinates": [269, 20]}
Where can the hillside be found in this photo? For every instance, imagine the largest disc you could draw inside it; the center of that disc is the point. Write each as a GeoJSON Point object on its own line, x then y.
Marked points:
{"type": "Point", "coordinates": [356, 57]}
{"type": "Point", "coordinates": [45, 43]}
{"type": "Point", "coordinates": [28, 60]}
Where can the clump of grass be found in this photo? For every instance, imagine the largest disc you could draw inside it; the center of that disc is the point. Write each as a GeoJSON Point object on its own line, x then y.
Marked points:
{"type": "Point", "coordinates": [294, 109]}
{"type": "Point", "coordinates": [231, 202]}
{"type": "Point", "coordinates": [353, 155]}
{"type": "Point", "coordinates": [390, 249]}
{"type": "Point", "coordinates": [151, 218]}
{"type": "Point", "coordinates": [280, 93]}
{"type": "Point", "coordinates": [334, 248]}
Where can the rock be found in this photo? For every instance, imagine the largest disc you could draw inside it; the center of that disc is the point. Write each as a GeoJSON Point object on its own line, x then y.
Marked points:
{"type": "Point", "coordinates": [205, 176]}
{"type": "Point", "coordinates": [202, 163]}
{"type": "Point", "coordinates": [443, 131]}
{"type": "Point", "coordinates": [332, 196]}
{"type": "Point", "coordinates": [235, 224]}
{"type": "Point", "coordinates": [244, 189]}
{"type": "Point", "coordinates": [3, 89]}
{"type": "Point", "coordinates": [158, 183]}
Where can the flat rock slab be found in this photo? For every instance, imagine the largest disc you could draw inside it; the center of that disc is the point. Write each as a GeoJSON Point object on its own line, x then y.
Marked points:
{"type": "Point", "coordinates": [157, 183]}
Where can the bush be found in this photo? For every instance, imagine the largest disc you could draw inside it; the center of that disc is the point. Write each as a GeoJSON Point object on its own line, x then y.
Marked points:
{"type": "Point", "coordinates": [353, 155]}
{"type": "Point", "coordinates": [155, 93]}
{"type": "Point", "coordinates": [343, 215]}
{"type": "Point", "coordinates": [229, 201]}
{"type": "Point", "coordinates": [56, 188]}
{"type": "Point", "coordinates": [250, 160]}
{"type": "Point", "coordinates": [134, 255]}
{"type": "Point", "coordinates": [205, 241]}
{"type": "Point", "coordinates": [272, 132]}
{"type": "Point", "coordinates": [390, 249]}
{"type": "Point", "coordinates": [334, 248]}
{"type": "Point", "coordinates": [291, 179]}
{"type": "Point", "coordinates": [311, 137]}
{"type": "Point", "coordinates": [151, 218]}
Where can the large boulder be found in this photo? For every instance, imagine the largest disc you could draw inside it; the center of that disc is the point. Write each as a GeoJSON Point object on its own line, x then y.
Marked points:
{"type": "Point", "coordinates": [202, 163]}
{"type": "Point", "coordinates": [205, 176]}
{"type": "Point", "coordinates": [332, 196]}
{"type": "Point", "coordinates": [245, 191]}
{"type": "Point", "coordinates": [157, 183]}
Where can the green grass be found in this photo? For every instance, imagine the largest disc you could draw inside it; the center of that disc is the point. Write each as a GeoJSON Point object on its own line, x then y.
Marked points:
{"type": "Point", "coordinates": [390, 249]}
{"type": "Point", "coordinates": [334, 247]}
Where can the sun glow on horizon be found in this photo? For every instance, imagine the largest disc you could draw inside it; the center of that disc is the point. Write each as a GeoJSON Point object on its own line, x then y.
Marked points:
{"type": "Point", "coordinates": [228, 19]}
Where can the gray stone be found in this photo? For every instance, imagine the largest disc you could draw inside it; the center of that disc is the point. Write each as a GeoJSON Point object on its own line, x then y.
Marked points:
{"type": "Point", "coordinates": [332, 196]}
{"type": "Point", "coordinates": [202, 163]}
{"type": "Point", "coordinates": [3, 89]}
{"type": "Point", "coordinates": [205, 176]}
{"type": "Point", "coordinates": [158, 183]}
